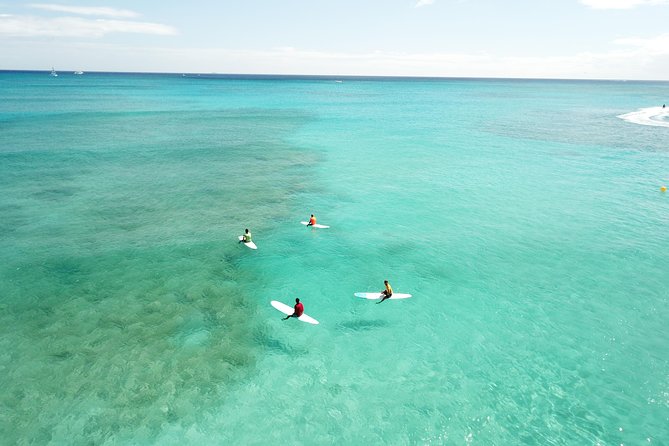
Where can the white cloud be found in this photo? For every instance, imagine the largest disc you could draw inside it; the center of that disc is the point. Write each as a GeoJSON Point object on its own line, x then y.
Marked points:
{"type": "Point", "coordinates": [420, 3]}
{"type": "Point", "coordinates": [27, 26]}
{"type": "Point", "coordinates": [621, 4]}
{"type": "Point", "coordinates": [84, 10]}
{"type": "Point", "coordinates": [655, 46]}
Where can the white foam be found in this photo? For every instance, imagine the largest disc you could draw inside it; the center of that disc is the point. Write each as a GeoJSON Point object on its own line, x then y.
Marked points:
{"type": "Point", "coordinates": [657, 116]}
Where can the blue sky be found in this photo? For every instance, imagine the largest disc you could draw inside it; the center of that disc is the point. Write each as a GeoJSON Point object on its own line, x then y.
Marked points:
{"type": "Point", "coordinates": [586, 39]}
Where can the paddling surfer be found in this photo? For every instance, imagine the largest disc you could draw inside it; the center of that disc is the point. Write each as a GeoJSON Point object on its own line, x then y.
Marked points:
{"type": "Point", "coordinates": [298, 310]}
{"type": "Point", "coordinates": [385, 294]}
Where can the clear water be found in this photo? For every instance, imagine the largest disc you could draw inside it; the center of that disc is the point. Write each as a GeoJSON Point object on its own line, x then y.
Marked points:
{"type": "Point", "coordinates": [525, 218]}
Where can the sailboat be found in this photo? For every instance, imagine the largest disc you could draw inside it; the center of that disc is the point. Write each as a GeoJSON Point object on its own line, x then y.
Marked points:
{"type": "Point", "coordinates": [53, 72]}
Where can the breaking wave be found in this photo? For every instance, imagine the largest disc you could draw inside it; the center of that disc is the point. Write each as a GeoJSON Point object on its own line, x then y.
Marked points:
{"type": "Point", "coordinates": [657, 116]}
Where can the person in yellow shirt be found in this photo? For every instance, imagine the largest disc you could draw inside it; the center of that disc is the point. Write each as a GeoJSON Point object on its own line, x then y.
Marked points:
{"type": "Point", "coordinates": [385, 294]}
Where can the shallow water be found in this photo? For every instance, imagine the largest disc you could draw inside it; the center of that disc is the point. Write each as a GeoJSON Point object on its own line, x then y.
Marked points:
{"type": "Point", "coordinates": [525, 218]}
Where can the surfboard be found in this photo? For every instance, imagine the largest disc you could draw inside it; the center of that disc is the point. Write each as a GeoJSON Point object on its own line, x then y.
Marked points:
{"type": "Point", "coordinates": [249, 244]}
{"type": "Point", "coordinates": [315, 226]}
{"type": "Point", "coordinates": [378, 295]}
{"type": "Point", "coordinates": [285, 309]}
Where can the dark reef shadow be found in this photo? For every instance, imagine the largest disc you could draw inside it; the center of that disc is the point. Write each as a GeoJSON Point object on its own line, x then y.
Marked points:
{"type": "Point", "coordinates": [363, 324]}
{"type": "Point", "coordinates": [275, 345]}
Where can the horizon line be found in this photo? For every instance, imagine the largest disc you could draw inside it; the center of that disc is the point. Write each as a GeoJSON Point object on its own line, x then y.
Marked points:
{"type": "Point", "coordinates": [332, 76]}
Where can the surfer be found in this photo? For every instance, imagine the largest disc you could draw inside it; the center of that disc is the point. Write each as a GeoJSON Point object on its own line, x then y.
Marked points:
{"type": "Point", "coordinates": [246, 237]}
{"type": "Point", "coordinates": [312, 220]}
{"type": "Point", "coordinates": [385, 294]}
{"type": "Point", "coordinates": [299, 309]}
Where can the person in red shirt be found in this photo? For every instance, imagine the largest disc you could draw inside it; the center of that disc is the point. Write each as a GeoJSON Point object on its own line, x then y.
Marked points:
{"type": "Point", "coordinates": [312, 220]}
{"type": "Point", "coordinates": [298, 310]}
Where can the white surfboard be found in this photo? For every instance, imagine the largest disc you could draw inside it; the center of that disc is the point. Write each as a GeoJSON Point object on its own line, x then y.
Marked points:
{"type": "Point", "coordinates": [378, 295]}
{"type": "Point", "coordinates": [249, 244]}
{"type": "Point", "coordinates": [285, 309]}
{"type": "Point", "coordinates": [315, 226]}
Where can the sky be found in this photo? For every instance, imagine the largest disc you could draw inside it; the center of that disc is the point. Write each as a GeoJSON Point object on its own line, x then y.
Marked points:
{"type": "Point", "coordinates": [557, 39]}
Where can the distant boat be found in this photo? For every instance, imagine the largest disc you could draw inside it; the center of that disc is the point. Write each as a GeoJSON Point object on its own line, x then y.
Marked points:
{"type": "Point", "coordinates": [78, 72]}
{"type": "Point", "coordinates": [53, 72]}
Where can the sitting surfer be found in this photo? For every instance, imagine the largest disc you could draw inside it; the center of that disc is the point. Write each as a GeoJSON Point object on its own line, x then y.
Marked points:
{"type": "Point", "coordinates": [312, 220]}
{"type": "Point", "coordinates": [298, 310]}
{"type": "Point", "coordinates": [246, 238]}
{"type": "Point", "coordinates": [385, 294]}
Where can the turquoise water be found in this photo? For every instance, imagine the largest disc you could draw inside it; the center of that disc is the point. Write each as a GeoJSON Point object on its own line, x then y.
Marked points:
{"type": "Point", "coordinates": [525, 218]}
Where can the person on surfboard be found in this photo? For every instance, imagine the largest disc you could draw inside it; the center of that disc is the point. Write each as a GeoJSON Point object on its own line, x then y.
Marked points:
{"type": "Point", "coordinates": [385, 294]}
{"type": "Point", "coordinates": [246, 237]}
{"type": "Point", "coordinates": [312, 220]}
{"type": "Point", "coordinates": [299, 309]}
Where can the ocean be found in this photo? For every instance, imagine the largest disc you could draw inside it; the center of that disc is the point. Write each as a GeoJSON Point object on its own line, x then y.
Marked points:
{"type": "Point", "coordinates": [525, 217]}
